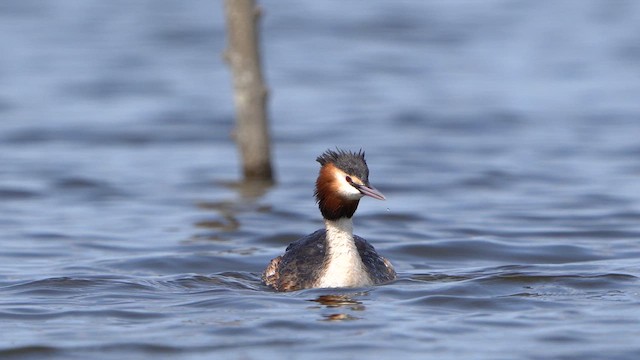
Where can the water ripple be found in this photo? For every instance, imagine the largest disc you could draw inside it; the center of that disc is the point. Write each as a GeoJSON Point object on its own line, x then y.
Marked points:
{"type": "Point", "coordinates": [513, 203]}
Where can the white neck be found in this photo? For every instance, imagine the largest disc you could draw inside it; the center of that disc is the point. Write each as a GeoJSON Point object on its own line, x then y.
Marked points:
{"type": "Point", "coordinates": [344, 266]}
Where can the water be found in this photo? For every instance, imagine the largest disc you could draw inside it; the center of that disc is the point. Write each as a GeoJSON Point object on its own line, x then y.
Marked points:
{"type": "Point", "coordinates": [504, 135]}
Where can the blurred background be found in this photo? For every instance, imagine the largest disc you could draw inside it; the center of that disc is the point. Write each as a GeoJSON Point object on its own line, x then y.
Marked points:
{"type": "Point", "coordinates": [503, 133]}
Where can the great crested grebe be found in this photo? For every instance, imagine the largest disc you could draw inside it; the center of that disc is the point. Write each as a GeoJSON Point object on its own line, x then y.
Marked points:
{"type": "Point", "coordinates": [333, 256]}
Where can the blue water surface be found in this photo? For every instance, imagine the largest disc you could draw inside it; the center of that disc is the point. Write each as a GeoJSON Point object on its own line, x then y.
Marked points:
{"type": "Point", "coordinates": [503, 133]}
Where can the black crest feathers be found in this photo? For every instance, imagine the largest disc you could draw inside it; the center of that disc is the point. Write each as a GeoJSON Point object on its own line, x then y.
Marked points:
{"type": "Point", "coordinates": [352, 163]}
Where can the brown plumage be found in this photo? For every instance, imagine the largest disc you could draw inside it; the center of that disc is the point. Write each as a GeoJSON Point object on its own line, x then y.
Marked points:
{"type": "Point", "coordinates": [331, 204]}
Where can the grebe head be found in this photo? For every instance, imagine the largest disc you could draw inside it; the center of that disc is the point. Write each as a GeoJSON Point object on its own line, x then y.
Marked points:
{"type": "Point", "coordinates": [342, 182]}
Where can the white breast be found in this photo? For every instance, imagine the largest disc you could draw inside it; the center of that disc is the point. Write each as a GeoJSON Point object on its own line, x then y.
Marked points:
{"type": "Point", "coordinates": [345, 267]}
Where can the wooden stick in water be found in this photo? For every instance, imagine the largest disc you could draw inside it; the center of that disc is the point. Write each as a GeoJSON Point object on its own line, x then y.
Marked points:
{"type": "Point", "coordinates": [250, 91]}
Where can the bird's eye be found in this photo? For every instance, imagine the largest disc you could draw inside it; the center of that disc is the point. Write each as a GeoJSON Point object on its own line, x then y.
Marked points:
{"type": "Point", "coordinates": [348, 178]}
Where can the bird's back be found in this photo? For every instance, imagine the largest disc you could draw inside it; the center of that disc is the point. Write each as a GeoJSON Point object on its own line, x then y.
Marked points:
{"type": "Point", "coordinates": [304, 262]}
{"type": "Point", "coordinates": [379, 268]}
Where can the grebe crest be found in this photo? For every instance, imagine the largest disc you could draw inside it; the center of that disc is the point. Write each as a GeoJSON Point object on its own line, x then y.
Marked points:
{"type": "Point", "coordinates": [334, 256]}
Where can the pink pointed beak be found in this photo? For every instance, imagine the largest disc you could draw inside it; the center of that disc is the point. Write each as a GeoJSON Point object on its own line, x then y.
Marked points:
{"type": "Point", "coordinates": [371, 191]}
